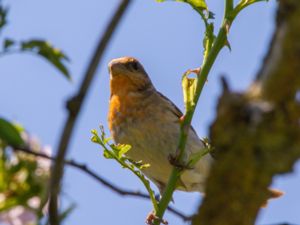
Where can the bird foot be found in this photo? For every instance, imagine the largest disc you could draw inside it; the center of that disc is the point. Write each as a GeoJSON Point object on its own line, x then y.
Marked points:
{"type": "Point", "coordinates": [152, 217]}
{"type": "Point", "coordinates": [174, 162]}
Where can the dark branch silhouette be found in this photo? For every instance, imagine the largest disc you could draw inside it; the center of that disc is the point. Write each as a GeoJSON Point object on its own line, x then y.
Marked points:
{"type": "Point", "coordinates": [74, 106]}
{"type": "Point", "coordinates": [86, 170]}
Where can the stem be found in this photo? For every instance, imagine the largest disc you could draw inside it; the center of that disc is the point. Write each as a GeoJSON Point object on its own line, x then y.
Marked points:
{"type": "Point", "coordinates": [146, 185]}
{"type": "Point", "coordinates": [218, 44]}
{"type": "Point", "coordinates": [228, 7]}
{"type": "Point", "coordinates": [124, 165]}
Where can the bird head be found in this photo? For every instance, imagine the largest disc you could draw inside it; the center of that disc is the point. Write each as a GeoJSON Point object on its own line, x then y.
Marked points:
{"type": "Point", "coordinates": [128, 75]}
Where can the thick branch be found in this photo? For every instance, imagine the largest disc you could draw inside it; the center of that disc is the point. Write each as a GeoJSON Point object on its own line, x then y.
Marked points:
{"type": "Point", "coordinates": [74, 106]}
{"type": "Point", "coordinates": [262, 135]}
{"type": "Point", "coordinates": [281, 64]}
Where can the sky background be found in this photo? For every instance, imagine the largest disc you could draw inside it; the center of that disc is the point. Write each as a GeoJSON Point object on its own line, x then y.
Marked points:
{"type": "Point", "coordinates": [167, 39]}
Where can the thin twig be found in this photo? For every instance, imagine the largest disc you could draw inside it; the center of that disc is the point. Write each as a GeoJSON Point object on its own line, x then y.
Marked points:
{"type": "Point", "coordinates": [74, 106]}
{"type": "Point", "coordinates": [86, 170]}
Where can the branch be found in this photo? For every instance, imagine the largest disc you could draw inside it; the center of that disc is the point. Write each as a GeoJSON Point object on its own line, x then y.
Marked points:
{"type": "Point", "coordinates": [284, 50]}
{"type": "Point", "coordinates": [86, 170]}
{"type": "Point", "coordinates": [74, 105]}
{"type": "Point", "coordinates": [262, 137]}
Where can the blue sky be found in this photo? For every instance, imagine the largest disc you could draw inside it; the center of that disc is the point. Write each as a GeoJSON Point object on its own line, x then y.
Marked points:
{"type": "Point", "coordinates": [167, 39]}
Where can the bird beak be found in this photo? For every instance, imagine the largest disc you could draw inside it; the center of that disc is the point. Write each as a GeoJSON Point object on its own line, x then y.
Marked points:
{"type": "Point", "coordinates": [116, 66]}
{"type": "Point", "coordinates": [112, 64]}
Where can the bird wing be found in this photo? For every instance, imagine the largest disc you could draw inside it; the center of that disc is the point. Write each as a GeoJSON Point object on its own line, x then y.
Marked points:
{"type": "Point", "coordinates": [175, 109]}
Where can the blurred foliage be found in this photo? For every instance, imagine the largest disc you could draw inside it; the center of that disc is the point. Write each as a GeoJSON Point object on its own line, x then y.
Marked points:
{"type": "Point", "coordinates": [3, 13]}
{"type": "Point", "coordinates": [23, 177]}
{"type": "Point", "coordinates": [38, 47]}
{"type": "Point", "coordinates": [53, 55]}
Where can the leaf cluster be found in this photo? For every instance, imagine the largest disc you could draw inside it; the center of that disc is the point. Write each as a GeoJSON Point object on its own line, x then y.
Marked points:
{"type": "Point", "coordinates": [118, 152]}
{"type": "Point", "coordinates": [19, 180]}
{"type": "Point", "coordinates": [21, 177]}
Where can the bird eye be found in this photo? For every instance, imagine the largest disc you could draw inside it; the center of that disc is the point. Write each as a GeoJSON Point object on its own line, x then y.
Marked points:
{"type": "Point", "coordinates": [134, 65]}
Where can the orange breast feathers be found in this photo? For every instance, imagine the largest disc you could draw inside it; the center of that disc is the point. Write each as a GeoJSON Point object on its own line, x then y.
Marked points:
{"type": "Point", "coordinates": [121, 85]}
{"type": "Point", "coordinates": [124, 101]}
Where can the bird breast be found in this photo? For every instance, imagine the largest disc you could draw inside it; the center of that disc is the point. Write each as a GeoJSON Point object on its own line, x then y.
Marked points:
{"type": "Point", "coordinates": [149, 125]}
{"type": "Point", "coordinates": [149, 128]}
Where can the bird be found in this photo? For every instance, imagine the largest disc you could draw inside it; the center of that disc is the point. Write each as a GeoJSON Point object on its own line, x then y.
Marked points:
{"type": "Point", "coordinates": [149, 122]}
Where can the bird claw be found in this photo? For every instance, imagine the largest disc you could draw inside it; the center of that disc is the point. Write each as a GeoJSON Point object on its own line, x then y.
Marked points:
{"type": "Point", "coordinates": [152, 217]}
{"type": "Point", "coordinates": [174, 162]}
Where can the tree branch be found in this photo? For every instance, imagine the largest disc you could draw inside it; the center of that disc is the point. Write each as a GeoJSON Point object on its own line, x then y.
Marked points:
{"type": "Point", "coordinates": [262, 135]}
{"type": "Point", "coordinates": [74, 105]}
{"type": "Point", "coordinates": [86, 170]}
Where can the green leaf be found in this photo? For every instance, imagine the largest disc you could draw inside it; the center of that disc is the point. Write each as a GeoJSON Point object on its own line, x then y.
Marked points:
{"type": "Point", "coordinates": [107, 154]}
{"type": "Point", "coordinates": [144, 166]}
{"type": "Point", "coordinates": [189, 89]}
{"type": "Point", "coordinates": [95, 138]}
{"type": "Point", "coordinates": [53, 55]}
{"type": "Point", "coordinates": [123, 150]}
{"type": "Point", "coordinates": [242, 5]}
{"type": "Point", "coordinates": [9, 133]}
{"type": "Point", "coordinates": [3, 14]}
{"type": "Point", "coordinates": [106, 140]}
{"type": "Point", "coordinates": [197, 3]}
{"type": "Point", "coordinates": [8, 43]}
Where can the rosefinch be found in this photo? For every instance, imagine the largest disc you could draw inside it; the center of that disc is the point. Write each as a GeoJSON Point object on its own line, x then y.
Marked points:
{"type": "Point", "coordinates": [148, 121]}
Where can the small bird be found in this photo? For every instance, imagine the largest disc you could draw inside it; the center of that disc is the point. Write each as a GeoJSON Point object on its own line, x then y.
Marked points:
{"type": "Point", "coordinates": [148, 121]}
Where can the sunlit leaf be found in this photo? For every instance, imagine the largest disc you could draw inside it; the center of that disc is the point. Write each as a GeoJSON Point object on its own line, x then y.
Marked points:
{"type": "Point", "coordinates": [107, 154]}
{"type": "Point", "coordinates": [95, 138]}
{"type": "Point", "coordinates": [123, 150]}
{"type": "Point", "coordinates": [144, 166]}
{"type": "Point", "coordinates": [106, 140]}
{"type": "Point", "coordinates": [189, 89]}
{"type": "Point", "coordinates": [198, 3]}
